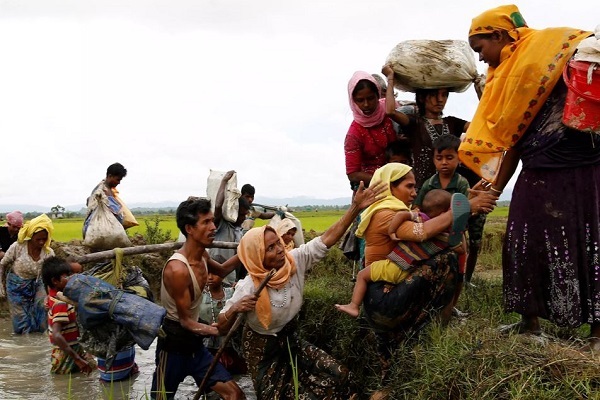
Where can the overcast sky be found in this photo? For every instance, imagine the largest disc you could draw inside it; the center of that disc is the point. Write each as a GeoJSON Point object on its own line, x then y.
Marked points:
{"type": "Point", "coordinates": [174, 88]}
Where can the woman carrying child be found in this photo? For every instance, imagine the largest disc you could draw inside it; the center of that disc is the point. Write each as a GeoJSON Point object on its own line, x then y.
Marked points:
{"type": "Point", "coordinates": [405, 307]}
{"type": "Point", "coordinates": [550, 257]}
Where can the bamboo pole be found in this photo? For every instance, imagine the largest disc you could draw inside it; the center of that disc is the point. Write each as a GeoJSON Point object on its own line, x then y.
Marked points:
{"type": "Point", "coordinates": [236, 324]}
{"type": "Point", "coordinates": [148, 248]}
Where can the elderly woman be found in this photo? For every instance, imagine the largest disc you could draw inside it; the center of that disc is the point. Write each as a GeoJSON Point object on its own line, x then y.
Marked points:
{"type": "Point", "coordinates": [397, 310]}
{"type": "Point", "coordinates": [270, 332]}
{"type": "Point", "coordinates": [24, 287]}
{"type": "Point", "coordinates": [550, 256]}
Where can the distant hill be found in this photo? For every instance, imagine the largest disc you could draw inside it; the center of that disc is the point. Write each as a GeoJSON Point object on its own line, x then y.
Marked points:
{"type": "Point", "coordinates": [300, 201]}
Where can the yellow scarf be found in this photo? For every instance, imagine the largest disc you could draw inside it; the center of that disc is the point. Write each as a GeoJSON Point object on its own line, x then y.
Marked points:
{"type": "Point", "coordinates": [39, 223]}
{"type": "Point", "coordinates": [514, 91]}
{"type": "Point", "coordinates": [251, 252]}
{"type": "Point", "coordinates": [388, 173]}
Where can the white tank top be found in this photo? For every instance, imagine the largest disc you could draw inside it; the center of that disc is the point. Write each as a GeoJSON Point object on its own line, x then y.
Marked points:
{"type": "Point", "coordinates": [167, 301]}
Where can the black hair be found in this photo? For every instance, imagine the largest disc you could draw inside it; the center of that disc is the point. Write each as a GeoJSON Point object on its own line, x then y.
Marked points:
{"type": "Point", "coordinates": [400, 147]}
{"type": "Point", "coordinates": [420, 96]}
{"type": "Point", "coordinates": [189, 211]}
{"type": "Point", "coordinates": [365, 83]}
{"type": "Point", "coordinates": [446, 142]}
{"type": "Point", "coordinates": [53, 268]}
{"type": "Point", "coordinates": [248, 189]}
{"type": "Point", "coordinates": [436, 200]}
{"type": "Point", "coordinates": [116, 169]}
{"type": "Point", "coordinates": [399, 180]}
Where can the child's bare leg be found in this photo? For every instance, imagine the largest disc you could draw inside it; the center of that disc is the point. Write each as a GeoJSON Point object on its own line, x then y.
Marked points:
{"type": "Point", "coordinates": [358, 294]}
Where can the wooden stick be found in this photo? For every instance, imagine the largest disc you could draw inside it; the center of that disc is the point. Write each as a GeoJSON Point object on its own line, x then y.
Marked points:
{"type": "Point", "coordinates": [236, 324]}
{"type": "Point", "coordinates": [148, 248]}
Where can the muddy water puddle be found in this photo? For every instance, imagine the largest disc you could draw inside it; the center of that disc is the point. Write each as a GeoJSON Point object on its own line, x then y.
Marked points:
{"type": "Point", "coordinates": [25, 374]}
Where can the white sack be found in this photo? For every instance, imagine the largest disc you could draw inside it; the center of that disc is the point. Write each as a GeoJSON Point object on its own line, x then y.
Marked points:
{"type": "Point", "coordinates": [589, 48]}
{"type": "Point", "coordinates": [104, 231]}
{"type": "Point", "coordinates": [232, 194]}
{"type": "Point", "coordinates": [433, 64]}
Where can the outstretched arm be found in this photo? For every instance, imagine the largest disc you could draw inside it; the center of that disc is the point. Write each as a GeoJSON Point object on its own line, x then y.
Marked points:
{"type": "Point", "coordinates": [223, 269]}
{"type": "Point", "coordinates": [362, 199]}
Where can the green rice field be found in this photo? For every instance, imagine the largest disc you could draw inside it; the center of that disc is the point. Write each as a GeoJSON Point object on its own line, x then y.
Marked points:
{"type": "Point", "coordinates": [69, 229]}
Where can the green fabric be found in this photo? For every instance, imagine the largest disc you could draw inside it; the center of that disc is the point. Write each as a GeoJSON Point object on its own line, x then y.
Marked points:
{"type": "Point", "coordinates": [458, 184]}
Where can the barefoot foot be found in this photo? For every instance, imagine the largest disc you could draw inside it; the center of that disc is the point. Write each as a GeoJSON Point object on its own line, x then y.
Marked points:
{"type": "Point", "coordinates": [350, 309]}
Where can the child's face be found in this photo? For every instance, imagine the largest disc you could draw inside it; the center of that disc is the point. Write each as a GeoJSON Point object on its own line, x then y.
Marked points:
{"type": "Point", "coordinates": [446, 162]}
{"type": "Point", "coordinates": [60, 283]}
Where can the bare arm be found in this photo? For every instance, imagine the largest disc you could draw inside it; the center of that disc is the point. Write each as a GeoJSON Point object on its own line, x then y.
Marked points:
{"type": "Point", "coordinates": [220, 199]}
{"type": "Point", "coordinates": [177, 281]}
{"type": "Point", "coordinates": [60, 341]}
{"type": "Point", "coordinates": [399, 218]}
{"type": "Point", "coordinates": [267, 215]}
{"type": "Point", "coordinates": [362, 199]}
{"type": "Point", "coordinates": [224, 269]}
{"type": "Point", "coordinates": [507, 169]}
{"type": "Point", "coordinates": [227, 318]}
{"type": "Point", "coordinates": [390, 100]}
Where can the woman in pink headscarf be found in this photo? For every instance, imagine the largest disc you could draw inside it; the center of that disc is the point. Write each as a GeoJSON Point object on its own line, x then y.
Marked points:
{"type": "Point", "coordinates": [8, 233]}
{"type": "Point", "coordinates": [370, 132]}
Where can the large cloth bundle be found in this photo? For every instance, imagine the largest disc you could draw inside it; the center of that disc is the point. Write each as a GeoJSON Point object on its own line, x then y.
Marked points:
{"type": "Point", "coordinates": [100, 304]}
{"type": "Point", "coordinates": [102, 228]}
{"type": "Point", "coordinates": [433, 64]}
{"type": "Point", "coordinates": [232, 194]}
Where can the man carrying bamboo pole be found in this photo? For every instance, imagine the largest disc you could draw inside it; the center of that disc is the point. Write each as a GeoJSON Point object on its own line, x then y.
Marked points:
{"type": "Point", "coordinates": [181, 352]}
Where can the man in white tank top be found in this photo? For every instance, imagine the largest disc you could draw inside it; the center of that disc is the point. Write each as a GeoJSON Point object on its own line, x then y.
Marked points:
{"type": "Point", "coordinates": [182, 353]}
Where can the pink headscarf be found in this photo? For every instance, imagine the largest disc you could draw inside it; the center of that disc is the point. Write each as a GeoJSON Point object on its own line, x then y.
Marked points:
{"type": "Point", "coordinates": [378, 115]}
{"type": "Point", "coordinates": [15, 218]}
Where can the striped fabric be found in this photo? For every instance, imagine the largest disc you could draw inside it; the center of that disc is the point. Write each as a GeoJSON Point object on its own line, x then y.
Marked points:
{"type": "Point", "coordinates": [408, 254]}
{"type": "Point", "coordinates": [121, 368]}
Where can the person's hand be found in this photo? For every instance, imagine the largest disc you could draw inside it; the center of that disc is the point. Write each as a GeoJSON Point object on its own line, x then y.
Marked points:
{"type": "Point", "coordinates": [388, 71]}
{"type": "Point", "coordinates": [83, 365]}
{"type": "Point", "coordinates": [482, 201]}
{"type": "Point", "coordinates": [364, 197]}
{"type": "Point", "coordinates": [228, 175]}
{"type": "Point", "coordinates": [246, 303]}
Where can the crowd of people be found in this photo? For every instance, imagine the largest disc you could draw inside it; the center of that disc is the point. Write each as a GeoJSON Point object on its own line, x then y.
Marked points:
{"type": "Point", "coordinates": [422, 184]}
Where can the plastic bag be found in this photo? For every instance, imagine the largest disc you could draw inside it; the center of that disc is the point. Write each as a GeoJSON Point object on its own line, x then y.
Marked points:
{"type": "Point", "coordinates": [104, 231]}
{"type": "Point", "coordinates": [589, 48]}
{"type": "Point", "coordinates": [433, 64]}
{"type": "Point", "coordinates": [232, 194]}
{"type": "Point", "coordinates": [128, 217]}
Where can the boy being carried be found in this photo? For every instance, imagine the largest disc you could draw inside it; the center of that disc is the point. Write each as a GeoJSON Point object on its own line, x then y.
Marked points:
{"type": "Point", "coordinates": [406, 255]}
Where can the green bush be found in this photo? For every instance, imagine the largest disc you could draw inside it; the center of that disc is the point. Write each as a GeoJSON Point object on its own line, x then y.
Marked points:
{"type": "Point", "coordinates": [154, 233]}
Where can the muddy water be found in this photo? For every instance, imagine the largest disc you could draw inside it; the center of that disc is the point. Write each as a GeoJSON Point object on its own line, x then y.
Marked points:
{"type": "Point", "coordinates": [25, 374]}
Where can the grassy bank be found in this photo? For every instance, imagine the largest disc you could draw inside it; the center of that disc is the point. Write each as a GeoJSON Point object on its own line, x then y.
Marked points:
{"type": "Point", "coordinates": [470, 359]}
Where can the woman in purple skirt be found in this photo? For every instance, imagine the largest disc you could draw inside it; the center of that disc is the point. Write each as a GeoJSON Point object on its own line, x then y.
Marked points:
{"type": "Point", "coordinates": [551, 260]}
